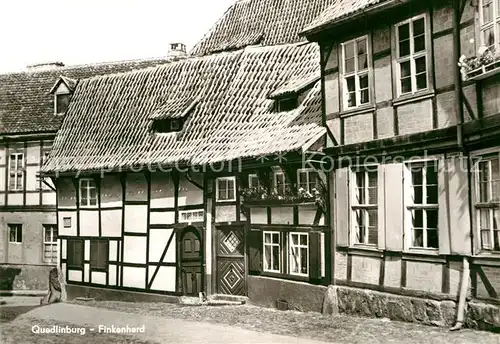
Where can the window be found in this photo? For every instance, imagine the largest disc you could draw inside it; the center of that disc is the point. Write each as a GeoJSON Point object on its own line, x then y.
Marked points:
{"type": "Point", "coordinates": [98, 254]}
{"type": "Point", "coordinates": [412, 62]}
{"type": "Point", "coordinates": [253, 181]}
{"type": "Point", "coordinates": [50, 243]}
{"type": "Point", "coordinates": [489, 19]}
{"type": "Point", "coordinates": [287, 104]}
{"type": "Point", "coordinates": [15, 233]}
{"type": "Point", "coordinates": [16, 171]}
{"type": "Point", "coordinates": [191, 216]}
{"type": "Point", "coordinates": [40, 181]}
{"type": "Point", "coordinates": [488, 202]}
{"type": "Point", "coordinates": [226, 189]}
{"type": "Point", "coordinates": [67, 222]}
{"type": "Point", "coordinates": [62, 103]}
{"type": "Point", "coordinates": [307, 179]}
{"type": "Point", "coordinates": [168, 125]}
{"type": "Point", "coordinates": [281, 184]}
{"type": "Point", "coordinates": [75, 253]}
{"type": "Point", "coordinates": [423, 204]}
{"type": "Point", "coordinates": [355, 62]}
{"type": "Point", "coordinates": [88, 193]}
{"type": "Point", "coordinates": [299, 254]}
{"type": "Point", "coordinates": [364, 206]}
{"type": "Point", "coordinates": [272, 251]}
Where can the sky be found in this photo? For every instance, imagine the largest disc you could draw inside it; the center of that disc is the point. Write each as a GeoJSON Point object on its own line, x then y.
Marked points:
{"type": "Point", "coordinates": [89, 31]}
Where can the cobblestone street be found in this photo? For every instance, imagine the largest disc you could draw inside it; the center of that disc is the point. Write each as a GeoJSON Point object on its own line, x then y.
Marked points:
{"type": "Point", "coordinates": [169, 323]}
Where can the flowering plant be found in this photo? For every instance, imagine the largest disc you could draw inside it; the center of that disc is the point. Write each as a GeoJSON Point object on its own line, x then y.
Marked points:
{"type": "Point", "coordinates": [484, 57]}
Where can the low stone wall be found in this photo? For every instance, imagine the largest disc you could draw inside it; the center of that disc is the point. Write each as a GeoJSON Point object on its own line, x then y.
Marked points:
{"type": "Point", "coordinates": [103, 294]}
{"type": "Point", "coordinates": [365, 302]}
{"type": "Point", "coordinates": [304, 297]}
{"type": "Point", "coordinates": [24, 277]}
{"type": "Point", "coordinates": [266, 292]}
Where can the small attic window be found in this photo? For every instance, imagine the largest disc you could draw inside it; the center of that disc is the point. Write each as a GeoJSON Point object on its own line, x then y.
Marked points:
{"type": "Point", "coordinates": [167, 125]}
{"type": "Point", "coordinates": [287, 104]}
{"type": "Point", "coordinates": [62, 103]}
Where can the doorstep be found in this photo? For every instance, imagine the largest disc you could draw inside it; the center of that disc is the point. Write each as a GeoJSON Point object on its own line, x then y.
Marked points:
{"type": "Point", "coordinates": [23, 292]}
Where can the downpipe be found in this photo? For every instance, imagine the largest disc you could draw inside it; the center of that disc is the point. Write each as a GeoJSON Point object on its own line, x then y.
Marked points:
{"type": "Point", "coordinates": [463, 295]}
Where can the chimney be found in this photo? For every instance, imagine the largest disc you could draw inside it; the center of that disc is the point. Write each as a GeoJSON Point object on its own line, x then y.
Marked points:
{"type": "Point", "coordinates": [177, 51]}
{"type": "Point", "coordinates": [44, 66]}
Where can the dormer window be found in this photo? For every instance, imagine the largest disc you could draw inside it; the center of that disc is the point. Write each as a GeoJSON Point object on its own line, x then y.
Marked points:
{"type": "Point", "coordinates": [171, 115]}
{"type": "Point", "coordinates": [62, 91]}
{"type": "Point", "coordinates": [62, 103]}
{"type": "Point", "coordinates": [167, 125]}
{"type": "Point", "coordinates": [287, 104]}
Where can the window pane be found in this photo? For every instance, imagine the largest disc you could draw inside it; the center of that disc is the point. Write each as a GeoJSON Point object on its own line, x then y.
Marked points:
{"type": "Point", "coordinates": [351, 99]}
{"type": "Point", "coordinates": [484, 219]}
{"type": "Point", "coordinates": [349, 65]}
{"type": "Point", "coordinates": [373, 236]}
{"type": "Point", "coordinates": [276, 258]}
{"type": "Point", "coordinates": [432, 194]}
{"type": "Point", "coordinates": [404, 48]}
{"type": "Point", "coordinates": [495, 180]}
{"type": "Point", "coordinates": [421, 81]}
{"type": "Point", "coordinates": [276, 238]}
{"type": "Point", "coordinates": [372, 189]}
{"type": "Point", "coordinates": [487, 11]}
{"type": "Point", "coordinates": [418, 27]}
{"type": "Point", "coordinates": [267, 238]}
{"type": "Point", "coordinates": [432, 238]}
{"type": "Point", "coordinates": [418, 218]}
{"type": "Point", "coordinates": [484, 177]}
{"type": "Point", "coordinates": [404, 32]}
{"type": "Point", "coordinates": [13, 234]}
{"type": "Point", "coordinates": [295, 239]}
{"type": "Point", "coordinates": [417, 176]}
{"type": "Point", "coordinates": [489, 37]}
{"type": "Point", "coordinates": [417, 194]}
{"type": "Point", "coordinates": [267, 257]}
{"type": "Point", "coordinates": [420, 65]}
{"type": "Point", "coordinates": [485, 240]}
{"type": "Point", "coordinates": [351, 84]}
{"type": "Point", "coordinates": [419, 43]}
{"type": "Point", "coordinates": [48, 234]}
{"type": "Point", "coordinates": [365, 97]}
{"type": "Point", "coordinates": [363, 81]}
{"type": "Point", "coordinates": [360, 235]}
{"type": "Point", "coordinates": [294, 260]}
{"type": "Point", "coordinates": [303, 239]}
{"type": "Point", "coordinates": [418, 237]}
{"type": "Point", "coordinates": [349, 50]}
{"type": "Point", "coordinates": [303, 261]}
{"type": "Point", "coordinates": [431, 174]}
{"type": "Point", "coordinates": [432, 218]}
{"type": "Point", "coordinates": [19, 181]}
{"type": "Point", "coordinates": [405, 69]}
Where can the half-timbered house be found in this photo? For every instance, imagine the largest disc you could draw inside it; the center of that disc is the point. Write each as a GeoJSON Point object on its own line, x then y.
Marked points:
{"type": "Point", "coordinates": [32, 106]}
{"type": "Point", "coordinates": [414, 144]}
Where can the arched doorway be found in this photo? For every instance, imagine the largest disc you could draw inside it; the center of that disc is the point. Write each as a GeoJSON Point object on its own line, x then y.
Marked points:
{"type": "Point", "coordinates": [191, 261]}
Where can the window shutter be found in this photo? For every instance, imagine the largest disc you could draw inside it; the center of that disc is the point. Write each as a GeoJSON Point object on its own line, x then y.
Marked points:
{"type": "Point", "coordinates": [254, 251]}
{"type": "Point", "coordinates": [394, 207]}
{"type": "Point", "coordinates": [342, 213]}
{"type": "Point", "coordinates": [454, 220]}
{"type": "Point", "coordinates": [380, 205]}
{"type": "Point", "coordinates": [315, 255]}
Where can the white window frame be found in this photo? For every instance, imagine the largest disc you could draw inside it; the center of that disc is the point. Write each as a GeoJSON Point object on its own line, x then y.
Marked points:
{"type": "Point", "coordinates": [494, 24]}
{"type": "Point", "coordinates": [308, 182]}
{"type": "Point", "coordinates": [56, 110]}
{"type": "Point", "coordinates": [87, 189]}
{"type": "Point", "coordinates": [277, 173]}
{"type": "Point", "coordinates": [355, 206]}
{"type": "Point", "coordinates": [18, 227]}
{"type": "Point", "coordinates": [410, 206]}
{"type": "Point", "coordinates": [271, 245]}
{"type": "Point", "coordinates": [189, 216]}
{"type": "Point", "coordinates": [218, 191]}
{"type": "Point", "coordinates": [356, 73]}
{"type": "Point", "coordinates": [250, 184]}
{"type": "Point", "coordinates": [490, 206]}
{"type": "Point", "coordinates": [299, 246]}
{"type": "Point", "coordinates": [412, 57]}
{"type": "Point", "coordinates": [52, 244]}
{"type": "Point", "coordinates": [17, 170]}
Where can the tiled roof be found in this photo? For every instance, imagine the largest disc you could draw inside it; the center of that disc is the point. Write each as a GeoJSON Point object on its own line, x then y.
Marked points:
{"type": "Point", "coordinates": [175, 108]}
{"type": "Point", "coordinates": [108, 121]}
{"type": "Point", "coordinates": [266, 22]}
{"type": "Point", "coordinates": [26, 105]}
{"type": "Point", "coordinates": [340, 9]}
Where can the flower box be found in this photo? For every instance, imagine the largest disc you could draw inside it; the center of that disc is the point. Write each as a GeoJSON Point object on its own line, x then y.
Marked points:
{"type": "Point", "coordinates": [485, 71]}
{"type": "Point", "coordinates": [482, 66]}
{"type": "Point", "coordinates": [277, 202]}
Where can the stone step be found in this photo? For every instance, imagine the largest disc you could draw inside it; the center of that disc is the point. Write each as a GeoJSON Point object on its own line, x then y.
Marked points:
{"type": "Point", "coordinates": [234, 298]}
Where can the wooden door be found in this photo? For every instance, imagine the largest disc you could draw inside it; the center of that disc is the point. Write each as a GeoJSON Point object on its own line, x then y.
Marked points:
{"type": "Point", "coordinates": [231, 261]}
{"type": "Point", "coordinates": [191, 262]}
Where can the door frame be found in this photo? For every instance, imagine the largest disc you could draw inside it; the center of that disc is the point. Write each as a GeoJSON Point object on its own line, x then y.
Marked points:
{"type": "Point", "coordinates": [181, 231]}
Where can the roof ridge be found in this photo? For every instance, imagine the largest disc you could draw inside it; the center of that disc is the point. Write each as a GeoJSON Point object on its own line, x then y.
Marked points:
{"type": "Point", "coordinates": [91, 64]}
{"type": "Point", "coordinates": [192, 52]}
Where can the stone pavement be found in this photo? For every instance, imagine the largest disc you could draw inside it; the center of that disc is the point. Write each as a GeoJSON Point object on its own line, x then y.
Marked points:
{"type": "Point", "coordinates": [160, 330]}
